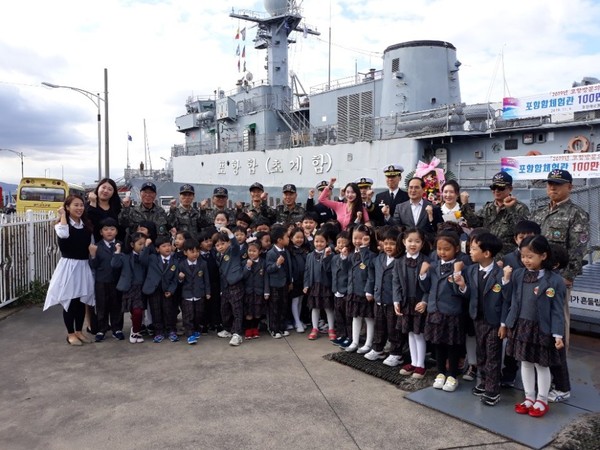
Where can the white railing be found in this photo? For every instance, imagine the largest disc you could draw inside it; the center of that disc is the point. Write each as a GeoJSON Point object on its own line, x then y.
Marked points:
{"type": "Point", "coordinates": [28, 253]}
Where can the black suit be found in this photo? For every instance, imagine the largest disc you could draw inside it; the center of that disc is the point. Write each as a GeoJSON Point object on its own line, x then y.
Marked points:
{"type": "Point", "coordinates": [403, 216]}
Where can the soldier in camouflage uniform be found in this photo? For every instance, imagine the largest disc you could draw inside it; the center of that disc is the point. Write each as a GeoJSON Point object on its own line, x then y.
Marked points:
{"type": "Point", "coordinates": [499, 216]}
{"type": "Point", "coordinates": [289, 212]}
{"type": "Point", "coordinates": [185, 217]}
{"type": "Point", "coordinates": [258, 206]}
{"type": "Point", "coordinates": [219, 201]}
{"type": "Point", "coordinates": [131, 216]}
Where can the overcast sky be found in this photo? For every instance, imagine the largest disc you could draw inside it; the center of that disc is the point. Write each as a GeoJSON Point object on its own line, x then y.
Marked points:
{"type": "Point", "coordinates": [158, 53]}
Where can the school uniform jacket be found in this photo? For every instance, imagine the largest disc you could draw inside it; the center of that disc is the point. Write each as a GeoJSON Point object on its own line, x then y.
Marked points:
{"type": "Point", "coordinates": [101, 264]}
{"type": "Point", "coordinates": [256, 280]}
{"type": "Point", "coordinates": [230, 265]}
{"type": "Point", "coordinates": [279, 276]}
{"type": "Point", "coordinates": [157, 274]}
{"type": "Point", "coordinates": [317, 269]}
{"type": "Point", "coordinates": [196, 283]}
{"type": "Point", "coordinates": [132, 271]}
{"type": "Point", "coordinates": [551, 292]}
{"type": "Point", "coordinates": [339, 274]}
{"type": "Point", "coordinates": [496, 297]}
{"type": "Point", "coordinates": [441, 296]}
{"type": "Point", "coordinates": [400, 289]}
{"type": "Point", "coordinates": [380, 279]}
{"type": "Point", "coordinates": [358, 271]}
{"type": "Point", "coordinates": [513, 259]}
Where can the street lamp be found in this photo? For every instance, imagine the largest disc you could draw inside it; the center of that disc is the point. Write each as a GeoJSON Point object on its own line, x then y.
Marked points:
{"type": "Point", "coordinates": [95, 99]}
{"type": "Point", "coordinates": [19, 154]}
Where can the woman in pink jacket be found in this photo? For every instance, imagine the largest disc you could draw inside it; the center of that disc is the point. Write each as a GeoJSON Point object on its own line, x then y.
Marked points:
{"type": "Point", "coordinates": [350, 211]}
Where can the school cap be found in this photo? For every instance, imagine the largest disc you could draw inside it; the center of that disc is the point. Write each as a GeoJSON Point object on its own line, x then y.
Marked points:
{"type": "Point", "coordinates": [220, 192]}
{"type": "Point", "coordinates": [187, 189]}
{"type": "Point", "coordinates": [321, 185]}
{"type": "Point", "coordinates": [148, 185]}
{"type": "Point", "coordinates": [289, 188]}
{"type": "Point", "coordinates": [393, 170]}
{"type": "Point", "coordinates": [502, 179]}
{"type": "Point", "coordinates": [257, 186]}
{"type": "Point", "coordinates": [559, 176]}
{"type": "Point", "coordinates": [364, 182]}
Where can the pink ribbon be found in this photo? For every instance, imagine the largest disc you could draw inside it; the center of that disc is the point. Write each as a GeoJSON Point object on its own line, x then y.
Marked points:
{"type": "Point", "coordinates": [424, 168]}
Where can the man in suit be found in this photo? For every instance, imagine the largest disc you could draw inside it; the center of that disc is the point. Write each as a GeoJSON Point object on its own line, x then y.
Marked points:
{"type": "Point", "coordinates": [416, 212]}
{"type": "Point", "coordinates": [393, 196]}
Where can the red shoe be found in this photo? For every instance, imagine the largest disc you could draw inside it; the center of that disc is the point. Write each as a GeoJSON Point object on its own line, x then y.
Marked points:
{"type": "Point", "coordinates": [332, 335]}
{"type": "Point", "coordinates": [522, 408]}
{"type": "Point", "coordinates": [537, 412]}
{"type": "Point", "coordinates": [248, 334]}
{"type": "Point", "coordinates": [255, 333]}
{"type": "Point", "coordinates": [314, 334]}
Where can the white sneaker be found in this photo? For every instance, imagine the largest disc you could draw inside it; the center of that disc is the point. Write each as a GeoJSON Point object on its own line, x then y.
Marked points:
{"type": "Point", "coordinates": [351, 348]}
{"type": "Point", "coordinates": [236, 340]}
{"type": "Point", "coordinates": [135, 338]}
{"type": "Point", "coordinates": [300, 328]}
{"type": "Point", "coordinates": [364, 349]}
{"type": "Point", "coordinates": [393, 360]}
{"type": "Point", "coordinates": [450, 385]}
{"type": "Point", "coordinates": [439, 382]}
{"type": "Point", "coordinates": [224, 334]}
{"type": "Point", "coordinates": [556, 396]}
{"type": "Point", "coordinates": [285, 333]}
{"type": "Point", "coordinates": [374, 356]}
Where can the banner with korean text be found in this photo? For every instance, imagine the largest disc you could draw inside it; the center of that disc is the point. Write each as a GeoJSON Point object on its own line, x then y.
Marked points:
{"type": "Point", "coordinates": [579, 165]}
{"type": "Point", "coordinates": [569, 100]}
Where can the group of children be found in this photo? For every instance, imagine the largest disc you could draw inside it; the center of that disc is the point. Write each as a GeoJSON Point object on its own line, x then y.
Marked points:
{"type": "Point", "coordinates": [386, 281]}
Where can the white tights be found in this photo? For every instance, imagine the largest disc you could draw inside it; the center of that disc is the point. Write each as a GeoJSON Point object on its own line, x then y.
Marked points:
{"type": "Point", "coordinates": [528, 375]}
{"type": "Point", "coordinates": [417, 346]}
{"type": "Point", "coordinates": [296, 306]}
{"type": "Point", "coordinates": [316, 314]}
{"type": "Point", "coordinates": [357, 325]}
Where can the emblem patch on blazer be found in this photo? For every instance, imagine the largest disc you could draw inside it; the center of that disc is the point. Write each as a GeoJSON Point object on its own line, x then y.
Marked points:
{"type": "Point", "coordinates": [497, 288]}
{"type": "Point", "coordinates": [200, 273]}
{"type": "Point", "coordinates": [173, 268]}
{"type": "Point", "coordinates": [550, 292]}
{"type": "Point", "coordinates": [226, 258]}
{"type": "Point", "coordinates": [362, 266]}
{"type": "Point", "coordinates": [536, 290]}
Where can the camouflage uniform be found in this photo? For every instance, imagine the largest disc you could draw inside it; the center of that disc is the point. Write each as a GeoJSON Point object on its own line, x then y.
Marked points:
{"type": "Point", "coordinates": [287, 216]}
{"type": "Point", "coordinates": [500, 222]}
{"type": "Point", "coordinates": [131, 216]}
{"type": "Point", "coordinates": [208, 215]}
{"type": "Point", "coordinates": [183, 219]}
{"type": "Point", "coordinates": [263, 210]}
{"type": "Point", "coordinates": [569, 226]}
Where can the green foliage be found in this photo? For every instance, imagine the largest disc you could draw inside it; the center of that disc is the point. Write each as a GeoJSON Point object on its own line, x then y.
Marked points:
{"type": "Point", "coordinates": [35, 295]}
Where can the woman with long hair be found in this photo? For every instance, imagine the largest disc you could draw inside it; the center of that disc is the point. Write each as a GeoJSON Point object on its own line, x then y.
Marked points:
{"type": "Point", "coordinates": [349, 212]}
{"type": "Point", "coordinates": [104, 202]}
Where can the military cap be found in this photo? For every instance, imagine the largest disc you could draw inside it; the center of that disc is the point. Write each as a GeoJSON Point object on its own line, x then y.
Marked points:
{"type": "Point", "coordinates": [364, 182]}
{"type": "Point", "coordinates": [501, 179]}
{"type": "Point", "coordinates": [187, 189]}
{"type": "Point", "coordinates": [220, 192]}
{"type": "Point", "coordinates": [559, 176]}
{"type": "Point", "coordinates": [148, 185]}
{"type": "Point", "coordinates": [322, 185]}
{"type": "Point", "coordinates": [289, 188]}
{"type": "Point", "coordinates": [257, 186]}
{"type": "Point", "coordinates": [393, 170]}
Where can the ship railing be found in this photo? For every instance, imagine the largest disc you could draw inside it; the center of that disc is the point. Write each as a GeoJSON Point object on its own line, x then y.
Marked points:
{"type": "Point", "coordinates": [347, 81]}
{"type": "Point", "coordinates": [158, 175]}
{"type": "Point", "coordinates": [28, 253]}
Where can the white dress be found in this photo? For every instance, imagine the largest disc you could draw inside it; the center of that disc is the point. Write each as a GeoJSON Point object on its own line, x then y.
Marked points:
{"type": "Point", "coordinates": [72, 278]}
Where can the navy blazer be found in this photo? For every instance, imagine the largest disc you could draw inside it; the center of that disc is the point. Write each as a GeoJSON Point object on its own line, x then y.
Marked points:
{"type": "Point", "coordinates": [317, 269]}
{"type": "Point", "coordinates": [513, 259]}
{"type": "Point", "coordinates": [384, 197]}
{"type": "Point", "coordinates": [101, 264]}
{"type": "Point", "coordinates": [339, 274]}
{"type": "Point", "coordinates": [132, 271]}
{"type": "Point", "coordinates": [496, 297]}
{"type": "Point", "coordinates": [256, 280]}
{"type": "Point", "coordinates": [156, 274]}
{"type": "Point", "coordinates": [279, 276]}
{"type": "Point", "coordinates": [380, 279]}
{"type": "Point", "coordinates": [442, 296]}
{"type": "Point", "coordinates": [230, 265]}
{"type": "Point", "coordinates": [550, 297]}
{"type": "Point", "coordinates": [401, 277]}
{"type": "Point", "coordinates": [403, 216]}
{"type": "Point", "coordinates": [358, 271]}
{"type": "Point", "coordinates": [196, 283]}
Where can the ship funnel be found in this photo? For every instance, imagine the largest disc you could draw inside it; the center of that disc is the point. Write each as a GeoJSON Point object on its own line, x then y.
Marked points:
{"type": "Point", "coordinates": [277, 7]}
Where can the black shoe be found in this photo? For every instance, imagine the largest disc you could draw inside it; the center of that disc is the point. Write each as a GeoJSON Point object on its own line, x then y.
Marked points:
{"type": "Point", "coordinates": [507, 382]}
{"type": "Point", "coordinates": [489, 399]}
{"type": "Point", "coordinates": [143, 330]}
{"type": "Point", "coordinates": [478, 390]}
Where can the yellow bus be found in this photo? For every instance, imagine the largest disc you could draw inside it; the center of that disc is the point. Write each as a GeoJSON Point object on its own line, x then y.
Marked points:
{"type": "Point", "coordinates": [44, 194]}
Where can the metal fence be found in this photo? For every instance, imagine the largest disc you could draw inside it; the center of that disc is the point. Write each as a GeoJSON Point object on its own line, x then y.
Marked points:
{"type": "Point", "coordinates": [28, 253]}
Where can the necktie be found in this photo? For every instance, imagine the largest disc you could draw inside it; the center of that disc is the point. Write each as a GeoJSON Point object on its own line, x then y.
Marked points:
{"type": "Point", "coordinates": [411, 262]}
{"type": "Point", "coordinates": [391, 197]}
{"type": "Point", "coordinates": [165, 263]}
{"type": "Point", "coordinates": [531, 276]}
{"type": "Point", "coordinates": [112, 246]}
{"type": "Point", "coordinates": [446, 267]}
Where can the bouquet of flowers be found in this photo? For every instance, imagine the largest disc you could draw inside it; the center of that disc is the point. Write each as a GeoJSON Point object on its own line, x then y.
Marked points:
{"type": "Point", "coordinates": [434, 179]}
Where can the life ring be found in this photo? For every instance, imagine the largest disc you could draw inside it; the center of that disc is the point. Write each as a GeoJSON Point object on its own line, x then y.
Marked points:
{"type": "Point", "coordinates": [578, 144]}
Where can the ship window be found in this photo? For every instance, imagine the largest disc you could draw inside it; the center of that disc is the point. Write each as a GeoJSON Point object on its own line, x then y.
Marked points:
{"type": "Point", "coordinates": [395, 65]}
{"type": "Point", "coordinates": [511, 144]}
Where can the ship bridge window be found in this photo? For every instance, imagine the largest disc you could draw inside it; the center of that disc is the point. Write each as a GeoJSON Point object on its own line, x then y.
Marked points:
{"type": "Point", "coordinates": [511, 144]}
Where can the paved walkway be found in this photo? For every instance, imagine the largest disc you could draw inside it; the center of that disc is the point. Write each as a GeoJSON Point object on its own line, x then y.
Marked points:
{"type": "Point", "coordinates": [265, 394]}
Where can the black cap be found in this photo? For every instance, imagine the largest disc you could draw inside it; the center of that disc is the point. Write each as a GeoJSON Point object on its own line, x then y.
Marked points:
{"type": "Point", "coordinates": [502, 179]}
{"type": "Point", "coordinates": [148, 185]}
{"type": "Point", "coordinates": [559, 176]}
{"type": "Point", "coordinates": [220, 192]}
{"type": "Point", "coordinates": [322, 185]}
{"type": "Point", "coordinates": [257, 186]}
{"type": "Point", "coordinates": [187, 189]}
{"type": "Point", "coordinates": [289, 188]}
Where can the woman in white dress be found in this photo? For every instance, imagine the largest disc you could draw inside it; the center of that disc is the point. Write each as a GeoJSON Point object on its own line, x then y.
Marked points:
{"type": "Point", "coordinates": [72, 283]}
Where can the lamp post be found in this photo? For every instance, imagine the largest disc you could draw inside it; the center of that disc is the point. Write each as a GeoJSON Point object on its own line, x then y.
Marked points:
{"type": "Point", "coordinates": [95, 99]}
{"type": "Point", "coordinates": [19, 154]}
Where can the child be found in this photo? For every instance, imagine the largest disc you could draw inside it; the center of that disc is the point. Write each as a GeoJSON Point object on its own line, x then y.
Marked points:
{"type": "Point", "coordinates": [221, 220]}
{"type": "Point", "coordinates": [232, 285]}
{"type": "Point", "coordinates": [489, 299]}
{"type": "Point", "coordinates": [180, 238]}
{"type": "Point", "coordinates": [72, 283]}
{"type": "Point", "coordinates": [241, 235]}
{"type": "Point", "coordinates": [536, 322]}
{"type": "Point", "coordinates": [148, 229]}
{"type": "Point", "coordinates": [265, 242]}
{"type": "Point", "coordinates": [130, 282]}
{"type": "Point", "coordinates": [212, 306]}
{"type": "Point", "coordinates": [380, 288]}
{"type": "Point", "coordinates": [195, 289]}
{"type": "Point", "coordinates": [444, 326]}
{"type": "Point", "coordinates": [298, 250]}
{"type": "Point", "coordinates": [317, 285]}
{"type": "Point", "coordinates": [160, 286]}
{"type": "Point", "coordinates": [362, 252]}
{"type": "Point", "coordinates": [340, 265]}
{"type": "Point", "coordinates": [256, 285]}
{"type": "Point", "coordinates": [309, 225]}
{"type": "Point", "coordinates": [279, 271]}
{"type": "Point", "coordinates": [109, 307]}
{"type": "Point", "coordinates": [408, 293]}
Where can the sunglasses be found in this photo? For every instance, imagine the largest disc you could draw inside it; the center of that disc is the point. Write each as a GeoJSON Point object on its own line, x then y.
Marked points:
{"type": "Point", "coordinates": [498, 188]}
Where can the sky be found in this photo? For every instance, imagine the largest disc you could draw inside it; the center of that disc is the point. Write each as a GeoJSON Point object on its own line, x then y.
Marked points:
{"type": "Point", "coordinates": [160, 53]}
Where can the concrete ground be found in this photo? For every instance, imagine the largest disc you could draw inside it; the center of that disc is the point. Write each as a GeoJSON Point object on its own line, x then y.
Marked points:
{"type": "Point", "coordinates": [264, 394]}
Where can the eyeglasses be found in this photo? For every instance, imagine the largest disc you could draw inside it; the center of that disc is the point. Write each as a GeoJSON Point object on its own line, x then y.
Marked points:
{"type": "Point", "coordinates": [498, 188]}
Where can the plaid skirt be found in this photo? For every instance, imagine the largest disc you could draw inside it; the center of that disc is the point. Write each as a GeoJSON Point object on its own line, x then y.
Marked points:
{"type": "Point", "coordinates": [358, 306]}
{"type": "Point", "coordinates": [527, 343]}
{"type": "Point", "coordinates": [134, 299]}
{"type": "Point", "coordinates": [254, 305]}
{"type": "Point", "coordinates": [444, 329]}
{"type": "Point", "coordinates": [411, 321]}
{"type": "Point", "coordinates": [320, 297]}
